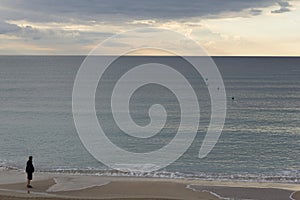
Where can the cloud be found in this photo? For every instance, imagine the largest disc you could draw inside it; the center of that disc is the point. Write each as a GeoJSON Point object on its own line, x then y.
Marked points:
{"type": "Point", "coordinates": [281, 10]}
{"type": "Point", "coordinates": [143, 22]}
{"type": "Point", "coordinates": [74, 18]}
{"type": "Point", "coordinates": [255, 11]}
{"type": "Point", "coordinates": [119, 10]}
{"type": "Point", "coordinates": [8, 28]}
{"type": "Point", "coordinates": [284, 7]}
{"type": "Point", "coordinates": [65, 26]}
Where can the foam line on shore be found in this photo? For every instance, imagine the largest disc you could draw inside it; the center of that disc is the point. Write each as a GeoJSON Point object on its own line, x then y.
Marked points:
{"type": "Point", "coordinates": [218, 196]}
{"type": "Point", "coordinates": [189, 186]}
{"type": "Point", "coordinates": [291, 196]}
{"type": "Point", "coordinates": [213, 189]}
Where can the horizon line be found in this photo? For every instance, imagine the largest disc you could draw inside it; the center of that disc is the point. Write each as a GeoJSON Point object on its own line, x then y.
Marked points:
{"type": "Point", "coordinates": [83, 55]}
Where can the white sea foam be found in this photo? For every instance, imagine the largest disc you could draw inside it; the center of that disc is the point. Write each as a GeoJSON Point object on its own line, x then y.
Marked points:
{"type": "Point", "coordinates": [284, 177]}
{"type": "Point", "coordinates": [220, 197]}
{"type": "Point", "coordinates": [291, 196]}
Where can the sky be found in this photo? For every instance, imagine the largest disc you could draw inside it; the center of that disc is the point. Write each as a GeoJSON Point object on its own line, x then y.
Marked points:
{"type": "Point", "coordinates": [221, 27]}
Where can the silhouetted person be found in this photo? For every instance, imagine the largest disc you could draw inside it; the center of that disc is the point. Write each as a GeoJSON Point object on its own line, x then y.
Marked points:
{"type": "Point", "coordinates": [29, 171]}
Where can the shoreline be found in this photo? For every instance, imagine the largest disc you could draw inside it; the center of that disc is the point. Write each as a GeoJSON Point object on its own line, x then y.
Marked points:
{"type": "Point", "coordinates": [73, 186]}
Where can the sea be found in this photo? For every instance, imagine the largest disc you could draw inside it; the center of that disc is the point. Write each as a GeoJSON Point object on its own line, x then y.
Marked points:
{"type": "Point", "coordinates": [260, 140]}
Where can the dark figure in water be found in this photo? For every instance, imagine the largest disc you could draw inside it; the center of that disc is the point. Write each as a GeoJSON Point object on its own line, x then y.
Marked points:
{"type": "Point", "coordinates": [29, 171]}
{"type": "Point", "coordinates": [232, 98]}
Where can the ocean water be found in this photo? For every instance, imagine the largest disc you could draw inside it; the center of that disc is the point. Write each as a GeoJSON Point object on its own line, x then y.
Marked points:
{"type": "Point", "coordinates": [260, 140]}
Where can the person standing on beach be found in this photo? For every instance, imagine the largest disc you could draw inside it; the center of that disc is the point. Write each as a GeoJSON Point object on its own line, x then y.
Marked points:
{"type": "Point", "coordinates": [29, 171]}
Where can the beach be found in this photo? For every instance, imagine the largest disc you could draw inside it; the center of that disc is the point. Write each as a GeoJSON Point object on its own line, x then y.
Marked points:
{"type": "Point", "coordinates": [56, 186]}
{"type": "Point", "coordinates": [150, 100]}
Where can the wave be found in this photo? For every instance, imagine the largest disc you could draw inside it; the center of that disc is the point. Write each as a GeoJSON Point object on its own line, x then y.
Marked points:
{"type": "Point", "coordinates": [272, 178]}
{"type": "Point", "coordinates": [8, 165]}
{"type": "Point", "coordinates": [280, 177]}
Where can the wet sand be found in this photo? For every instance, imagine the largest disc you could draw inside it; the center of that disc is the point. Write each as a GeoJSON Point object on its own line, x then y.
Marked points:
{"type": "Point", "coordinates": [67, 186]}
{"type": "Point", "coordinates": [113, 190]}
{"type": "Point", "coordinates": [296, 196]}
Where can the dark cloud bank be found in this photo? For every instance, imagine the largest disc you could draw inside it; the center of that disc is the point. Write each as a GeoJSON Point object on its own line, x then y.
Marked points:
{"type": "Point", "coordinates": [120, 11]}
{"type": "Point", "coordinates": [58, 10]}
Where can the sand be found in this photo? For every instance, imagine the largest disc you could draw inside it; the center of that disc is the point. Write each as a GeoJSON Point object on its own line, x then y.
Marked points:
{"type": "Point", "coordinates": [67, 186]}
{"type": "Point", "coordinates": [296, 196]}
{"type": "Point", "coordinates": [113, 190]}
